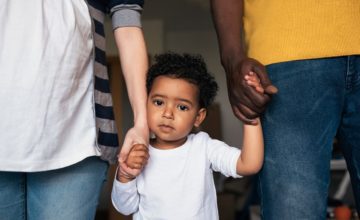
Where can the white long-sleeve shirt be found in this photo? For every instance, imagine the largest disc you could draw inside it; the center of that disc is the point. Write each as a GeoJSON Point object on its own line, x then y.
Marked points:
{"type": "Point", "coordinates": [178, 183]}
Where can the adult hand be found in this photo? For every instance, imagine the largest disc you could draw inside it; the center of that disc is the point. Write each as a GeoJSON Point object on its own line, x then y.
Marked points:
{"type": "Point", "coordinates": [246, 103]}
{"type": "Point", "coordinates": [136, 135]}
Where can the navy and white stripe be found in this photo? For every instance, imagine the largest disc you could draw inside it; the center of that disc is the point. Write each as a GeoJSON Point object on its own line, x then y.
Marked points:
{"type": "Point", "coordinates": [124, 13]}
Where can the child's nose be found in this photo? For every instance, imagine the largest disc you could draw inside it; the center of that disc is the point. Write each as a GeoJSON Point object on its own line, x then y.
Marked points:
{"type": "Point", "coordinates": [168, 113]}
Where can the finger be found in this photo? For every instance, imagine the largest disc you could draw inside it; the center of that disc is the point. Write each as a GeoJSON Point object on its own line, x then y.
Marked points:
{"type": "Point", "coordinates": [140, 141]}
{"type": "Point", "coordinates": [135, 166]}
{"type": "Point", "coordinates": [137, 160]}
{"type": "Point", "coordinates": [265, 80]}
{"type": "Point", "coordinates": [256, 85]}
{"type": "Point", "coordinates": [253, 76]}
{"type": "Point", "coordinates": [257, 81]}
{"type": "Point", "coordinates": [139, 153]}
{"type": "Point", "coordinates": [248, 96]}
{"type": "Point", "coordinates": [136, 150]}
{"type": "Point", "coordinates": [242, 117]}
{"type": "Point", "coordinates": [140, 163]}
{"type": "Point", "coordinates": [141, 159]}
{"type": "Point", "coordinates": [260, 89]}
{"type": "Point", "coordinates": [247, 112]}
{"type": "Point", "coordinates": [125, 149]}
{"type": "Point", "coordinates": [242, 96]}
{"type": "Point", "coordinates": [131, 172]}
{"type": "Point", "coordinates": [124, 170]}
{"type": "Point", "coordinates": [253, 83]}
{"type": "Point", "coordinates": [271, 89]}
{"type": "Point", "coordinates": [257, 101]}
{"type": "Point", "coordinates": [139, 146]}
{"type": "Point", "coordinates": [144, 155]}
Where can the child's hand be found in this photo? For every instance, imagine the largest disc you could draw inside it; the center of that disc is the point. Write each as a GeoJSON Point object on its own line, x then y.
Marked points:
{"type": "Point", "coordinates": [253, 80]}
{"type": "Point", "coordinates": [136, 161]}
{"type": "Point", "coordinates": [138, 156]}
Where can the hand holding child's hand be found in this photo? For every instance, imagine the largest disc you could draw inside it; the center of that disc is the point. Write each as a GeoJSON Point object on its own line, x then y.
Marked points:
{"type": "Point", "coordinates": [253, 80]}
{"type": "Point", "coordinates": [136, 161]}
{"type": "Point", "coordinates": [246, 103]}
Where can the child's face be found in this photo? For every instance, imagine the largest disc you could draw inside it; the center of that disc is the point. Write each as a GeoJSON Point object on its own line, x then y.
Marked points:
{"type": "Point", "coordinates": [173, 110]}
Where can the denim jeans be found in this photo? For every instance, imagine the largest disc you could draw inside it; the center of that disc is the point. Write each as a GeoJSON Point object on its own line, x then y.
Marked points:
{"type": "Point", "coordinates": [317, 99]}
{"type": "Point", "coordinates": [70, 193]}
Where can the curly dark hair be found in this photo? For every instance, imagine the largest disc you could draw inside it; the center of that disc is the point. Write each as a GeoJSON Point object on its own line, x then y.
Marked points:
{"type": "Point", "coordinates": [191, 68]}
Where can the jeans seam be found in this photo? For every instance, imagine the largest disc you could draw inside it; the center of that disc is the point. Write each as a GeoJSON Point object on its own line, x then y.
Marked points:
{"type": "Point", "coordinates": [350, 73]}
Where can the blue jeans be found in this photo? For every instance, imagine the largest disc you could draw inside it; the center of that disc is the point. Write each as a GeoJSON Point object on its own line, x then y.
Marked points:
{"type": "Point", "coordinates": [317, 99]}
{"type": "Point", "coordinates": [70, 193]}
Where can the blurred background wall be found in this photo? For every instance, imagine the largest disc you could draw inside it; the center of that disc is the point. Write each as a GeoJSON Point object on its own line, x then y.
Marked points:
{"type": "Point", "coordinates": [184, 26]}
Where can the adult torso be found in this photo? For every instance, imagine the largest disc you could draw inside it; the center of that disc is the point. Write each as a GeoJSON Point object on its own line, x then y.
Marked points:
{"type": "Point", "coordinates": [283, 30]}
{"type": "Point", "coordinates": [46, 94]}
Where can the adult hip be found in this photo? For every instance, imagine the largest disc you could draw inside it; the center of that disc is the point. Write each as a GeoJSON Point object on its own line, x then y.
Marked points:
{"type": "Point", "coordinates": [317, 99]}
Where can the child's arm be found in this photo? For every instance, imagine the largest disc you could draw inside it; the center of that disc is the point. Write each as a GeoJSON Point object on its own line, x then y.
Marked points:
{"type": "Point", "coordinates": [124, 195]}
{"type": "Point", "coordinates": [252, 153]}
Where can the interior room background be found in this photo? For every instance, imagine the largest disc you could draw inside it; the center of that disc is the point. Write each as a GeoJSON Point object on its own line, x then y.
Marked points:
{"type": "Point", "coordinates": [186, 26]}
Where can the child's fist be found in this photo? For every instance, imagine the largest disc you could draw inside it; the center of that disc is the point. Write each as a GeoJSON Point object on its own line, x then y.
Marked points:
{"type": "Point", "coordinates": [136, 160]}
{"type": "Point", "coordinates": [138, 156]}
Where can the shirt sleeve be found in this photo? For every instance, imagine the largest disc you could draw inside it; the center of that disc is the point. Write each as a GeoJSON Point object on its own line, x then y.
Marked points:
{"type": "Point", "coordinates": [124, 197]}
{"type": "Point", "coordinates": [223, 158]}
{"type": "Point", "coordinates": [126, 13]}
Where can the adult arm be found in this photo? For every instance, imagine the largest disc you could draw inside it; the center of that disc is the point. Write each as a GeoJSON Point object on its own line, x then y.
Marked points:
{"type": "Point", "coordinates": [246, 103]}
{"type": "Point", "coordinates": [134, 62]}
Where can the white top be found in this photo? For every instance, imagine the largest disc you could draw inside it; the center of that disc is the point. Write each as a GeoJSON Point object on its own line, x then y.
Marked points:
{"type": "Point", "coordinates": [46, 81]}
{"type": "Point", "coordinates": [178, 183]}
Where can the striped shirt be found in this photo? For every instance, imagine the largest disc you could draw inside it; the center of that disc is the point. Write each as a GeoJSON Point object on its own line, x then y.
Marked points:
{"type": "Point", "coordinates": [123, 13]}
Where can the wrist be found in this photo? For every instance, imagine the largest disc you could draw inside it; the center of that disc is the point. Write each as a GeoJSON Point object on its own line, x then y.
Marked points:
{"type": "Point", "coordinates": [141, 123]}
{"type": "Point", "coordinates": [123, 176]}
{"type": "Point", "coordinates": [232, 63]}
{"type": "Point", "coordinates": [231, 55]}
{"type": "Point", "coordinates": [140, 120]}
{"type": "Point", "coordinates": [124, 179]}
{"type": "Point", "coordinates": [139, 110]}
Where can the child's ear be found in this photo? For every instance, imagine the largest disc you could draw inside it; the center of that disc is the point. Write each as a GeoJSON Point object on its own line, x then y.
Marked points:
{"type": "Point", "coordinates": [200, 117]}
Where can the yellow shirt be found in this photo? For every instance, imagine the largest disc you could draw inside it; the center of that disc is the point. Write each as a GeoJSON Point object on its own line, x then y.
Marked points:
{"type": "Point", "coordinates": [285, 30]}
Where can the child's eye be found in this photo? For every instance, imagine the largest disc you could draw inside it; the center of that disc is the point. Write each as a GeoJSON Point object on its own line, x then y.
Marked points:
{"type": "Point", "coordinates": [158, 102]}
{"type": "Point", "coordinates": [183, 107]}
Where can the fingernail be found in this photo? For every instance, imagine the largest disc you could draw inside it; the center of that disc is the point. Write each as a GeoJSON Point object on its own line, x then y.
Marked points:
{"type": "Point", "coordinates": [271, 89]}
